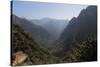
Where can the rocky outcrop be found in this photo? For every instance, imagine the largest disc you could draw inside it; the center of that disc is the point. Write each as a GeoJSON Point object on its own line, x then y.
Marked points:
{"type": "Point", "coordinates": [20, 57]}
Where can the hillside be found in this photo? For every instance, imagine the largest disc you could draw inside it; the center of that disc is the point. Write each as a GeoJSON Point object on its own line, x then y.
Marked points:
{"type": "Point", "coordinates": [22, 41]}
{"type": "Point", "coordinates": [40, 34]}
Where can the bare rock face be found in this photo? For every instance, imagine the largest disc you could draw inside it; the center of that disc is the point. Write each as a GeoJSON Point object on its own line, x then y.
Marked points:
{"type": "Point", "coordinates": [20, 57]}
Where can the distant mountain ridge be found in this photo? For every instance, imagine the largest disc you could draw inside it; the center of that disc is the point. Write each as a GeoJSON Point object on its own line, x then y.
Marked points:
{"type": "Point", "coordinates": [53, 26]}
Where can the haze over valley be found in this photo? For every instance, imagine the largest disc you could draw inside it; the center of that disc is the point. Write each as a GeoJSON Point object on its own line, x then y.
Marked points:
{"type": "Point", "coordinates": [53, 26]}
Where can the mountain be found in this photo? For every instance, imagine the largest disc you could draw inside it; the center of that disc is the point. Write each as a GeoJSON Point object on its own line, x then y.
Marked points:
{"type": "Point", "coordinates": [79, 29]}
{"type": "Point", "coordinates": [30, 27]}
{"type": "Point", "coordinates": [24, 44]}
{"type": "Point", "coordinates": [53, 26]}
{"type": "Point", "coordinates": [85, 25]}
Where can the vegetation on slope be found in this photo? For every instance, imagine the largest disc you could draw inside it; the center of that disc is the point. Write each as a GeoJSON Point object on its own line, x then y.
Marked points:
{"type": "Point", "coordinates": [22, 41]}
{"type": "Point", "coordinates": [84, 51]}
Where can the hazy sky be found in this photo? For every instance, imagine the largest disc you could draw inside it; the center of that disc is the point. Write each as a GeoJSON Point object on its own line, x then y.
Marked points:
{"type": "Point", "coordinates": [38, 10]}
